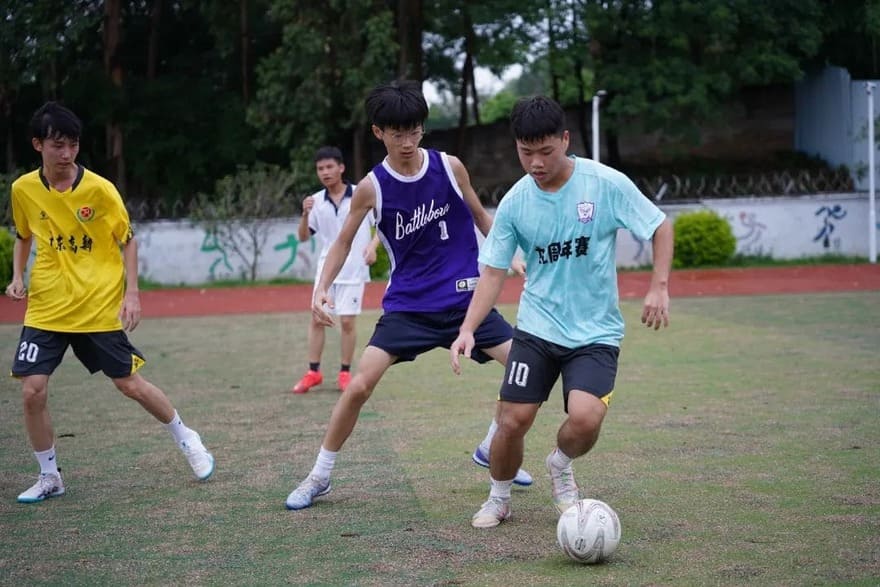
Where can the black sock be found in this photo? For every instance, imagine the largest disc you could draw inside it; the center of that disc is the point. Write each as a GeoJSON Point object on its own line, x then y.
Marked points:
{"type": "Point", "coordinates": [315, 366]}
{"type": "Point", "coordinates": [345, 367]}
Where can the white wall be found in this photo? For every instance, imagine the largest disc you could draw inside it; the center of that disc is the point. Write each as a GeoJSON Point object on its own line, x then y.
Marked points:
{"type": "Point", "coordinates": [783, 228]}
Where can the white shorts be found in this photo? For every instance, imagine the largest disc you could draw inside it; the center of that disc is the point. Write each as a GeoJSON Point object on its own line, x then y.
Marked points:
{"type": "Point", "coordinates": [347, 298]}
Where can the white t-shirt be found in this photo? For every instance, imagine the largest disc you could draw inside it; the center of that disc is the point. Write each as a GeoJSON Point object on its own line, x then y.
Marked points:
{"type": "Point", "coordinates": [325, 222]}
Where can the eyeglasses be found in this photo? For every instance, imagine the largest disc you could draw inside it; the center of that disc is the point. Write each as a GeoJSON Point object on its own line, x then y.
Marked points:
{"type": "Point", "coordinates": [399, 138]}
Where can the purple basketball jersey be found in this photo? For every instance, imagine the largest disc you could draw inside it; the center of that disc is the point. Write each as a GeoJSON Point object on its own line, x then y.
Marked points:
{"type": "Point", "coordinates": [428, 231]}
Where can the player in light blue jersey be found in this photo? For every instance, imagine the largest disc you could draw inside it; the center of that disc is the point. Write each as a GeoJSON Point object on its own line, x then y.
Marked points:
{"type": "Point", "coordinates": [564, 214]}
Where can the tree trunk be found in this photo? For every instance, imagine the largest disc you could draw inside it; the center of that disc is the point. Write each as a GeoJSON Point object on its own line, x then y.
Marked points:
{"type": "Point", "coordinates": [245, 52]}
{"type": "Point", "coordinates": [410, 24]}
{"type": "Point", "coordinates": [153, 42]}
{"type": "Point", "coordinates": [113, 69]}
{"type": "Point", "coordinates": [359, 151]}
{"type": "Point", "coordinates": [462, 104]}
{"type": "Point", "coordinates": [551, 50]}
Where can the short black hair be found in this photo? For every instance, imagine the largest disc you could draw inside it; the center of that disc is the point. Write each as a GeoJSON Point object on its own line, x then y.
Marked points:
{"type": "Point", "coordinates": [329, 153]}
{"type": "Point", "coordinates": [52, 120]}
{"type": "Point", "coordinates": [399, 104]}
{"type": "Point", "coordinates": [535, 118]}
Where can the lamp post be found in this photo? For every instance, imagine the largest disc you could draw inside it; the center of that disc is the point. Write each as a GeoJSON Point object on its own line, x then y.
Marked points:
{"type": "Point", "coordinates": [596, 99]}
{"type": "Point", "coordinates": [872, 214]}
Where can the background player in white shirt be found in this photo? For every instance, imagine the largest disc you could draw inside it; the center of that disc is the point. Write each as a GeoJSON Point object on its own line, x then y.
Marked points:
{"type": "Point", "coordinates": [324, 213]}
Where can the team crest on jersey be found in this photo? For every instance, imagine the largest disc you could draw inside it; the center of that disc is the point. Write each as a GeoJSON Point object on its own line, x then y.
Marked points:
{"type": "Point", "coordinates": [85, 214]}
{"type": "Point", "coordinates": [586, 211]}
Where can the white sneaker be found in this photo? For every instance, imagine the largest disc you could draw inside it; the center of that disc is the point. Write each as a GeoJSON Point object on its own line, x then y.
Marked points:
{"type": "Point", "coordinates": [306, 492]}
{"type": "Point", "coordinates": [566, 493]}
{"type": "Point", "coordinates": [48, 485]}
{"type": "Point", "coordinates": [201, 461]}
{"type": "Point", "coordinates": [492, 513]}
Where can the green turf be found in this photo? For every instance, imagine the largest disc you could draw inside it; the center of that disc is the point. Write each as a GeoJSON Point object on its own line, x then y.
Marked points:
{"type": "Point", "coordinates": [742, 448]}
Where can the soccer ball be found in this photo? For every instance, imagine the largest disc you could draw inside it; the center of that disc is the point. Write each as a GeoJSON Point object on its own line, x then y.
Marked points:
{"type": "Point", "coordinates": [589, 531]}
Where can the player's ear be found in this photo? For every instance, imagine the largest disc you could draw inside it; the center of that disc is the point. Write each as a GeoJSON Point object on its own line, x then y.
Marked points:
{"type": "Point", "coordinates": [37, 144]}
{"type": "Point", "coordinates": [377, 132]}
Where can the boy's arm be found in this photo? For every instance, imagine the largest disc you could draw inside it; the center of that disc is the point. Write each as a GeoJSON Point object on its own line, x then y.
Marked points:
{"type": "Point", "coordinates": [482, 218]}
{"type": "Point", "coordinates": [21, 250]}
{"type": "Point", "coordinates": [303, 232]}
{"type": "Point", "coordinates": [655, 312]}
{"type": "Point", "coordinates": [363, 200]}
{"type": "Point", "coordinates": [485, 295]}
{"type": "Point", "coordinates": [130, 314]}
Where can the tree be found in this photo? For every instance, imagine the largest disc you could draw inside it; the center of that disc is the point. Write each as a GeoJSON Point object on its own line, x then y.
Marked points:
{"type": "Point", "coordinates": [851, 37]}
{"type": "Point", "coordinates": [464, 34]}
{"type": "Point", "coordinates": [311, 87]}
{"type": "Point", "coordinates": [671, 65]}
{"type": "Point", "coordinates": [242, 209]}
{"type": "Point", "coordinates": [41, 42]}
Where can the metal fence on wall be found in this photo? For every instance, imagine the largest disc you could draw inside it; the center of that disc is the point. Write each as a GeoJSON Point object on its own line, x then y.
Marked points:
{"type": "Point", "coordinates": [659, 188]}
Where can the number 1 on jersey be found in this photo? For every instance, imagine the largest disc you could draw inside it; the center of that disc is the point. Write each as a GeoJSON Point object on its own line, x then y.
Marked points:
{"type": "Point", "coordinates": [444, 234]}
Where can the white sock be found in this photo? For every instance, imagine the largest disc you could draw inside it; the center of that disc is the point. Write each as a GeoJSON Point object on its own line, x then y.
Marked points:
{"type": "Point", "coordinates": [500, 489]}
{"type": "Point", "coordinates": [324, 463]}
{"type": "Point", "coordinates": [47, 461]}
{"type": "Point", "coordinates": [559, 459]}
{"type": "Point", "coordinates": [487, 442]}
{"type": "Point", "coordinates": [178, 429]}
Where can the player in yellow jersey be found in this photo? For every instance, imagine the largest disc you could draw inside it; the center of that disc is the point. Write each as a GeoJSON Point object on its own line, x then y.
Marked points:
{"type": "Point", "coordinates": [83, 292]}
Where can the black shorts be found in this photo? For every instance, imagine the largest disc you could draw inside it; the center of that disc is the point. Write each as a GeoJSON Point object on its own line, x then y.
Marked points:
{"type": "Point", "coordinates": [407, 335]}
{"type": "Point", "coordinates": [534, 365]}
{"type": "Point", "coordinates": [39, 352]}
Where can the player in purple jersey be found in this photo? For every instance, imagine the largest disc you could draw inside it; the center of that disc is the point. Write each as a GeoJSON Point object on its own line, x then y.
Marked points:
{"type": "Point", "coordinates": [425, 211]}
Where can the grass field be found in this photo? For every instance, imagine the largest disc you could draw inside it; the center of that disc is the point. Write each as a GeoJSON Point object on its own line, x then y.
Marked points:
{"type": "Point", "coordinates": [742, 448]}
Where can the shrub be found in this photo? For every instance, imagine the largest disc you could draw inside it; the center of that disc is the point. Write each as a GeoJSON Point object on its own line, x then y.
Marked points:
{"type": "Point", "coordinates": [702, 238]}
{"type": "Point", "coordinates": [379, 269]}
{"type": "Point", "coordinates": [6, 243]}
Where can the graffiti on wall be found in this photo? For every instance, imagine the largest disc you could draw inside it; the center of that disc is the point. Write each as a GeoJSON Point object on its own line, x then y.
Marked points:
{"type": "Point", "coordinates": [210, 245]}
{"type": "Point", "coordinates": [296, 253]}
{"type": "Point", "coordinates": [829, 214]}
{"type": "Point", "coordinates": [748, 231]}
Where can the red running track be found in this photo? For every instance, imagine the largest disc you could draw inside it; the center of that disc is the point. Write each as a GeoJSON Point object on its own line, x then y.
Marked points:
{"type": "Point", "coordinates": [685, 283]}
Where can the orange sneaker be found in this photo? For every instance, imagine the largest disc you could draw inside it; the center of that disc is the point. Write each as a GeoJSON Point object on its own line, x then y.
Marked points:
{"type": "Point", "coordinates": [309, 380]}
{"type": "Point", "coordinates": [343, 380]}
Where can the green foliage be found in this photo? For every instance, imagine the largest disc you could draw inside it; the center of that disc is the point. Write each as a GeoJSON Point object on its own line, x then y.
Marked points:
{"type": "Point", "coordinates": [312, 85]}
{"type": "Point", "coordinates": [242, 210]}
{"type": "Point", "coordinates": [671, 65]}
{"type": "Point", "coordinates": [7, 240]}
{"type": "Point", "coordinates": [702, 238]}
{"type": "Point", "coordinates": [379, 270]}
{"type": "Point", "coordinates": [499, 106]}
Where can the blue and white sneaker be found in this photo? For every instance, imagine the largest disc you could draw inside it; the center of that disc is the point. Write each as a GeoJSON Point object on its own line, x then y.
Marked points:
{"type": "Point", "coordinates": [48, 485]}
{"type": "Point", "coordinates": [482, 458]}
{"type": "Point", "coordinates": [201, 461]}
{"type": "Point", "coordinates": [306, 492]}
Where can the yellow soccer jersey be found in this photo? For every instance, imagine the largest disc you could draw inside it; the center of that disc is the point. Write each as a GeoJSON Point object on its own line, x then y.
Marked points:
{"type": "Point", "coordinates": [77, 279]}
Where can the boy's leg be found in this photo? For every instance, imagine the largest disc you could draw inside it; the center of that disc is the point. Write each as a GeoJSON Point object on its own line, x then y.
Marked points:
{"type": "Point", "coordinates": [371, 366]}
{"type": "Point", "coordinates": [348, 339]}
{"type": "Point", "coordinates": [159, 406]}
{"type": "Point", "coordinates": [483, 450]}
{"type": "Point", "coordinates": [349, 299]}
{"type": "Point", "coordinates": [39, 428]}
{"type": "Point", "coordinates": [514, 420]}
{"type": "Point", "coordinates": [313, 376]}
{"type": "Point", "coordinates": [35, 398]}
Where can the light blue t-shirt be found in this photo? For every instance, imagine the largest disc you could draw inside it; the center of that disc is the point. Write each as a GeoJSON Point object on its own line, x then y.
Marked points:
{"type": "Point", "coordinates": [569, 240]}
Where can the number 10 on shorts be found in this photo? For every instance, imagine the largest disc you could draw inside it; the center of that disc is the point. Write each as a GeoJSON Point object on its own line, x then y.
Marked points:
{"type": "Point", "coordinates": [518, 374]}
